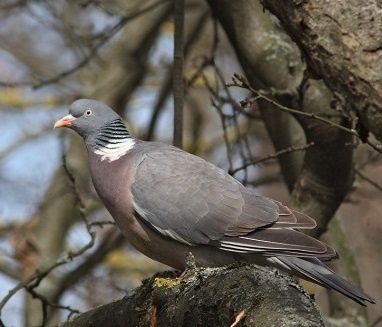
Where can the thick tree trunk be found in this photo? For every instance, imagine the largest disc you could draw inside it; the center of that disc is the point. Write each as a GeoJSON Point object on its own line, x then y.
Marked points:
{"type": "Point", "coordinates": [271, 60]}
{"type": "Point", "coordinates": [341, 41]}
{"type": "Point", "coordinates": [210, 297]}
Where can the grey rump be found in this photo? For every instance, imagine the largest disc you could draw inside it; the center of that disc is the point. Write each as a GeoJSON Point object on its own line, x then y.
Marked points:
{"type": "Point", "coordinates": [168, 203]}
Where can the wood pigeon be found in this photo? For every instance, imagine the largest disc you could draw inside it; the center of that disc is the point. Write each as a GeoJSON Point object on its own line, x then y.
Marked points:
{"type": "Point", "coordinates": [169, 203]}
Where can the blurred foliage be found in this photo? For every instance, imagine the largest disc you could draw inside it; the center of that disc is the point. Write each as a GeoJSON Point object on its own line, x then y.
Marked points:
{"type": "Point", "coordinates": [120, 52]}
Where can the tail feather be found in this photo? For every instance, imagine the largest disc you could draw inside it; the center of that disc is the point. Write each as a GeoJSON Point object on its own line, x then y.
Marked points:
{"type": "Point", "coordinates": [313, 269]}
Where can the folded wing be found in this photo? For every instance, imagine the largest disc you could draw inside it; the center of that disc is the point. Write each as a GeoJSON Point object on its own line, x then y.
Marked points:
{"type": "Point", "coordinates": [192, 201]}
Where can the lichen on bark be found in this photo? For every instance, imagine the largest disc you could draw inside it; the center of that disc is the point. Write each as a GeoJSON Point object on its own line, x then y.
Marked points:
{"type": "Point", "coordinates": [210, 297]}
{"type": "Point", "coordinates": [341, 43]}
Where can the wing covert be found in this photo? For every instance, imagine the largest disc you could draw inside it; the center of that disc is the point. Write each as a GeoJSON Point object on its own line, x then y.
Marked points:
{"type": "Point", "coordinates": [185, 197]}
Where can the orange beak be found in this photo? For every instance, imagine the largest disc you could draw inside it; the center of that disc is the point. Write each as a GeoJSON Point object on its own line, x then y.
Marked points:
{"type": "Point", "coordinates": [64, 122]}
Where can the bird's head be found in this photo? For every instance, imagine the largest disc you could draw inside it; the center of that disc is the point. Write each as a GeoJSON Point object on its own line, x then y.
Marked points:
{"type": "Point", "coordinates": [87, 117]}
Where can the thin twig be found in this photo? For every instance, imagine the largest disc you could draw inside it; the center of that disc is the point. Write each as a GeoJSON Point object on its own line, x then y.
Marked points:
{"type": "Point", "coordinates": [225, 134]}
{"type": "Point", "coordinates": [35, 279]}
{"type": "Point", "coordinates": [46, 303]}
{"type": "Point", "coordinates": [101, 224]}
{"type": "Point", "coordinates": [376, 322]}
{"type": "Point", "coordinates": [368, 179]}
{"type": "Point", "coordinates": [166, 85]}
{"type": "Point", "coordinates": [242, 139]}
{"type": "Point", "coordinates": [240, 81]}
{"type": "Point", "coordinates": [7, 269]}
{"type": "Point", "coordinates": [13, 146]}
{"type": "Point", "coordinates": [178, 84]}
{"type": "Point", "coordinates": [238, 318]}
{"type": "Point", "coordinates": [273, 156]}
{"type": "Point", "coordinates": [102, 39]}
{"type": "Point", "coordinates": [371, 158]}
{"type": "Point", "coordinates": [111, 240]}
{"type": "Point", "coordinates": [217, 104]}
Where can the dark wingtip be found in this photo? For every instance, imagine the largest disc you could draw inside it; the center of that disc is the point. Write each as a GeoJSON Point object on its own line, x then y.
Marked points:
{"type": "Point", "coordinates": [318, 272]}
{"type": "Point", "coordinates": [309, 221]}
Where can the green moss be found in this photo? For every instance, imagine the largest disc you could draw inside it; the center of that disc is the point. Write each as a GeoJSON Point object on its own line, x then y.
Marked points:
{"type": "Point", "coordinates": [166, 282]}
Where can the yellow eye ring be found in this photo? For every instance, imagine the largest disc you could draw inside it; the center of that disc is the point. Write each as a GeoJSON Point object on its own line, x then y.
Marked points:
{"type": "Point", "coordinates": [88, 112]}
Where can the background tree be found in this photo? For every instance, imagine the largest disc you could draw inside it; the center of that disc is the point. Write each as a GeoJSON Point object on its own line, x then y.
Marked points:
{"type": "Point", "coordinates": [294, 124]}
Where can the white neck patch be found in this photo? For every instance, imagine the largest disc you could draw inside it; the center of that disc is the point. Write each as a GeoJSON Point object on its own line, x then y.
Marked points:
{"type": "Point", "coordinates": [113, 150]}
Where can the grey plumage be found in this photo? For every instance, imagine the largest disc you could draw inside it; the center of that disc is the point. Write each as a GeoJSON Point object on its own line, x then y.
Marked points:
{"type": "Point", "coordinates": [169, 203]}
{"type": "Point", "coordinates": [321, 274]}
{"type": "Point", "coordinates": [194, 199]}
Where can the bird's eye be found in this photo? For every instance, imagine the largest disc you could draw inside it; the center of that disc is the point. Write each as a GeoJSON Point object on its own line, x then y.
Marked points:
{"type": "Point", "coordinates": [88, 112]}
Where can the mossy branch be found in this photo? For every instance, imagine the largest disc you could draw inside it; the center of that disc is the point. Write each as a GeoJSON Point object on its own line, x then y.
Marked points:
{"type": "Point", "coordinates": [249, 295]}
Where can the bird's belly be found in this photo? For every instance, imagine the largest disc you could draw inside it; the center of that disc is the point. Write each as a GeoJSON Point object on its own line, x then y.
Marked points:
{"type": "Point", "coordinates": [167, 251]}
{"type": "Point", "coordinates": [152, 244]}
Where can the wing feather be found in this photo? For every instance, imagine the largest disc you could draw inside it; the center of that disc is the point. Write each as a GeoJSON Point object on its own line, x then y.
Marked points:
{"type": "Point", "coordinates": [188, 199]}
{"type": "Point", "coordinates": [278, 239]}
{"type": "Point", "coordinates": [183, 193]}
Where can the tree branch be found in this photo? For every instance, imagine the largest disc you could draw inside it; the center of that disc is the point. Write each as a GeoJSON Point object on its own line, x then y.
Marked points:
{"type": "Point", "coordinates": [167, 83]}
{"type": "Point", "coordinates": [202, 293]}
{"type": "Point", "coordinates": [33, 280]}
{"type": "Point", "coordinates": [272, 156]}
{"type": "Point", "coordinates": [111, 241]}
{"type": "Point", "coordinates": [271, 61]}
{"type": "Point", "coordinates": [341, 44]}
{"type": "Point", "coordinates": [178, 83]}
{"type": "Point", "coordinates": [102, 39]}
{"type": "Point", "coordinates": [268, 62]}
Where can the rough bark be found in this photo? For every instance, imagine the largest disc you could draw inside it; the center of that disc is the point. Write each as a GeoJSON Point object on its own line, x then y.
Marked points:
{"type": "Point", "coordinates": [271, 60]}
{"type": "Point", "coordinates": [209, 297]}
{"type": "Point", "coordinates": [341, 41]}
{"type": "Point", "coordinates": [327, 175]}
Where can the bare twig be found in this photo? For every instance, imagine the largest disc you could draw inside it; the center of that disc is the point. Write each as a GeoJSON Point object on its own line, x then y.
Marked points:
{"type": "Point", "coordinates": [376, 322]}
{"type": "Point", "coordinates": [111, 241]}
{"type": "Point", "coordinates": [273, 156]}
{"type": "Point", "coordinates": [102, 38]}
{"type": "Point", "coordinates": [101, 224]}
{"type": "Point", "coordinates": [35, 279]}
{"type": "Point", "coordinates": [10, 226]}
{"type": "Point", "coordinates": [238, 318]}
{"type": "Point", "coordinates": [240, 81]}
{"type": "Point", "coordinates": [178, 85]}
{"type": "Point", "coordinates": [218, 101]}
{"type": "Point", "coordinates": [265, 179]}
{"type": "Point", "coordinates": [225, 134]}
{"type": "Point", "coordinates": [7, 269]}
{"type": "Point", "coordinates": [13, 5]}
{"type": "Point", "coordinates": [242, 140]}
{"type": "Point", "coordinates": [22, 140]}
{"type": "Point", "coordinates": [217, 104]}
{"type": "Point", "coordinates": [46, 303]}
{"type": "Point", "coordinates": [368, 179]}
{"type": "Point", "coordinates": [166, 87]}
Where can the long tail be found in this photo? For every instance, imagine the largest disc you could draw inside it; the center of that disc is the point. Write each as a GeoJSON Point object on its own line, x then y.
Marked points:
{"type": "Point", "coordinates": [318, 272]}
